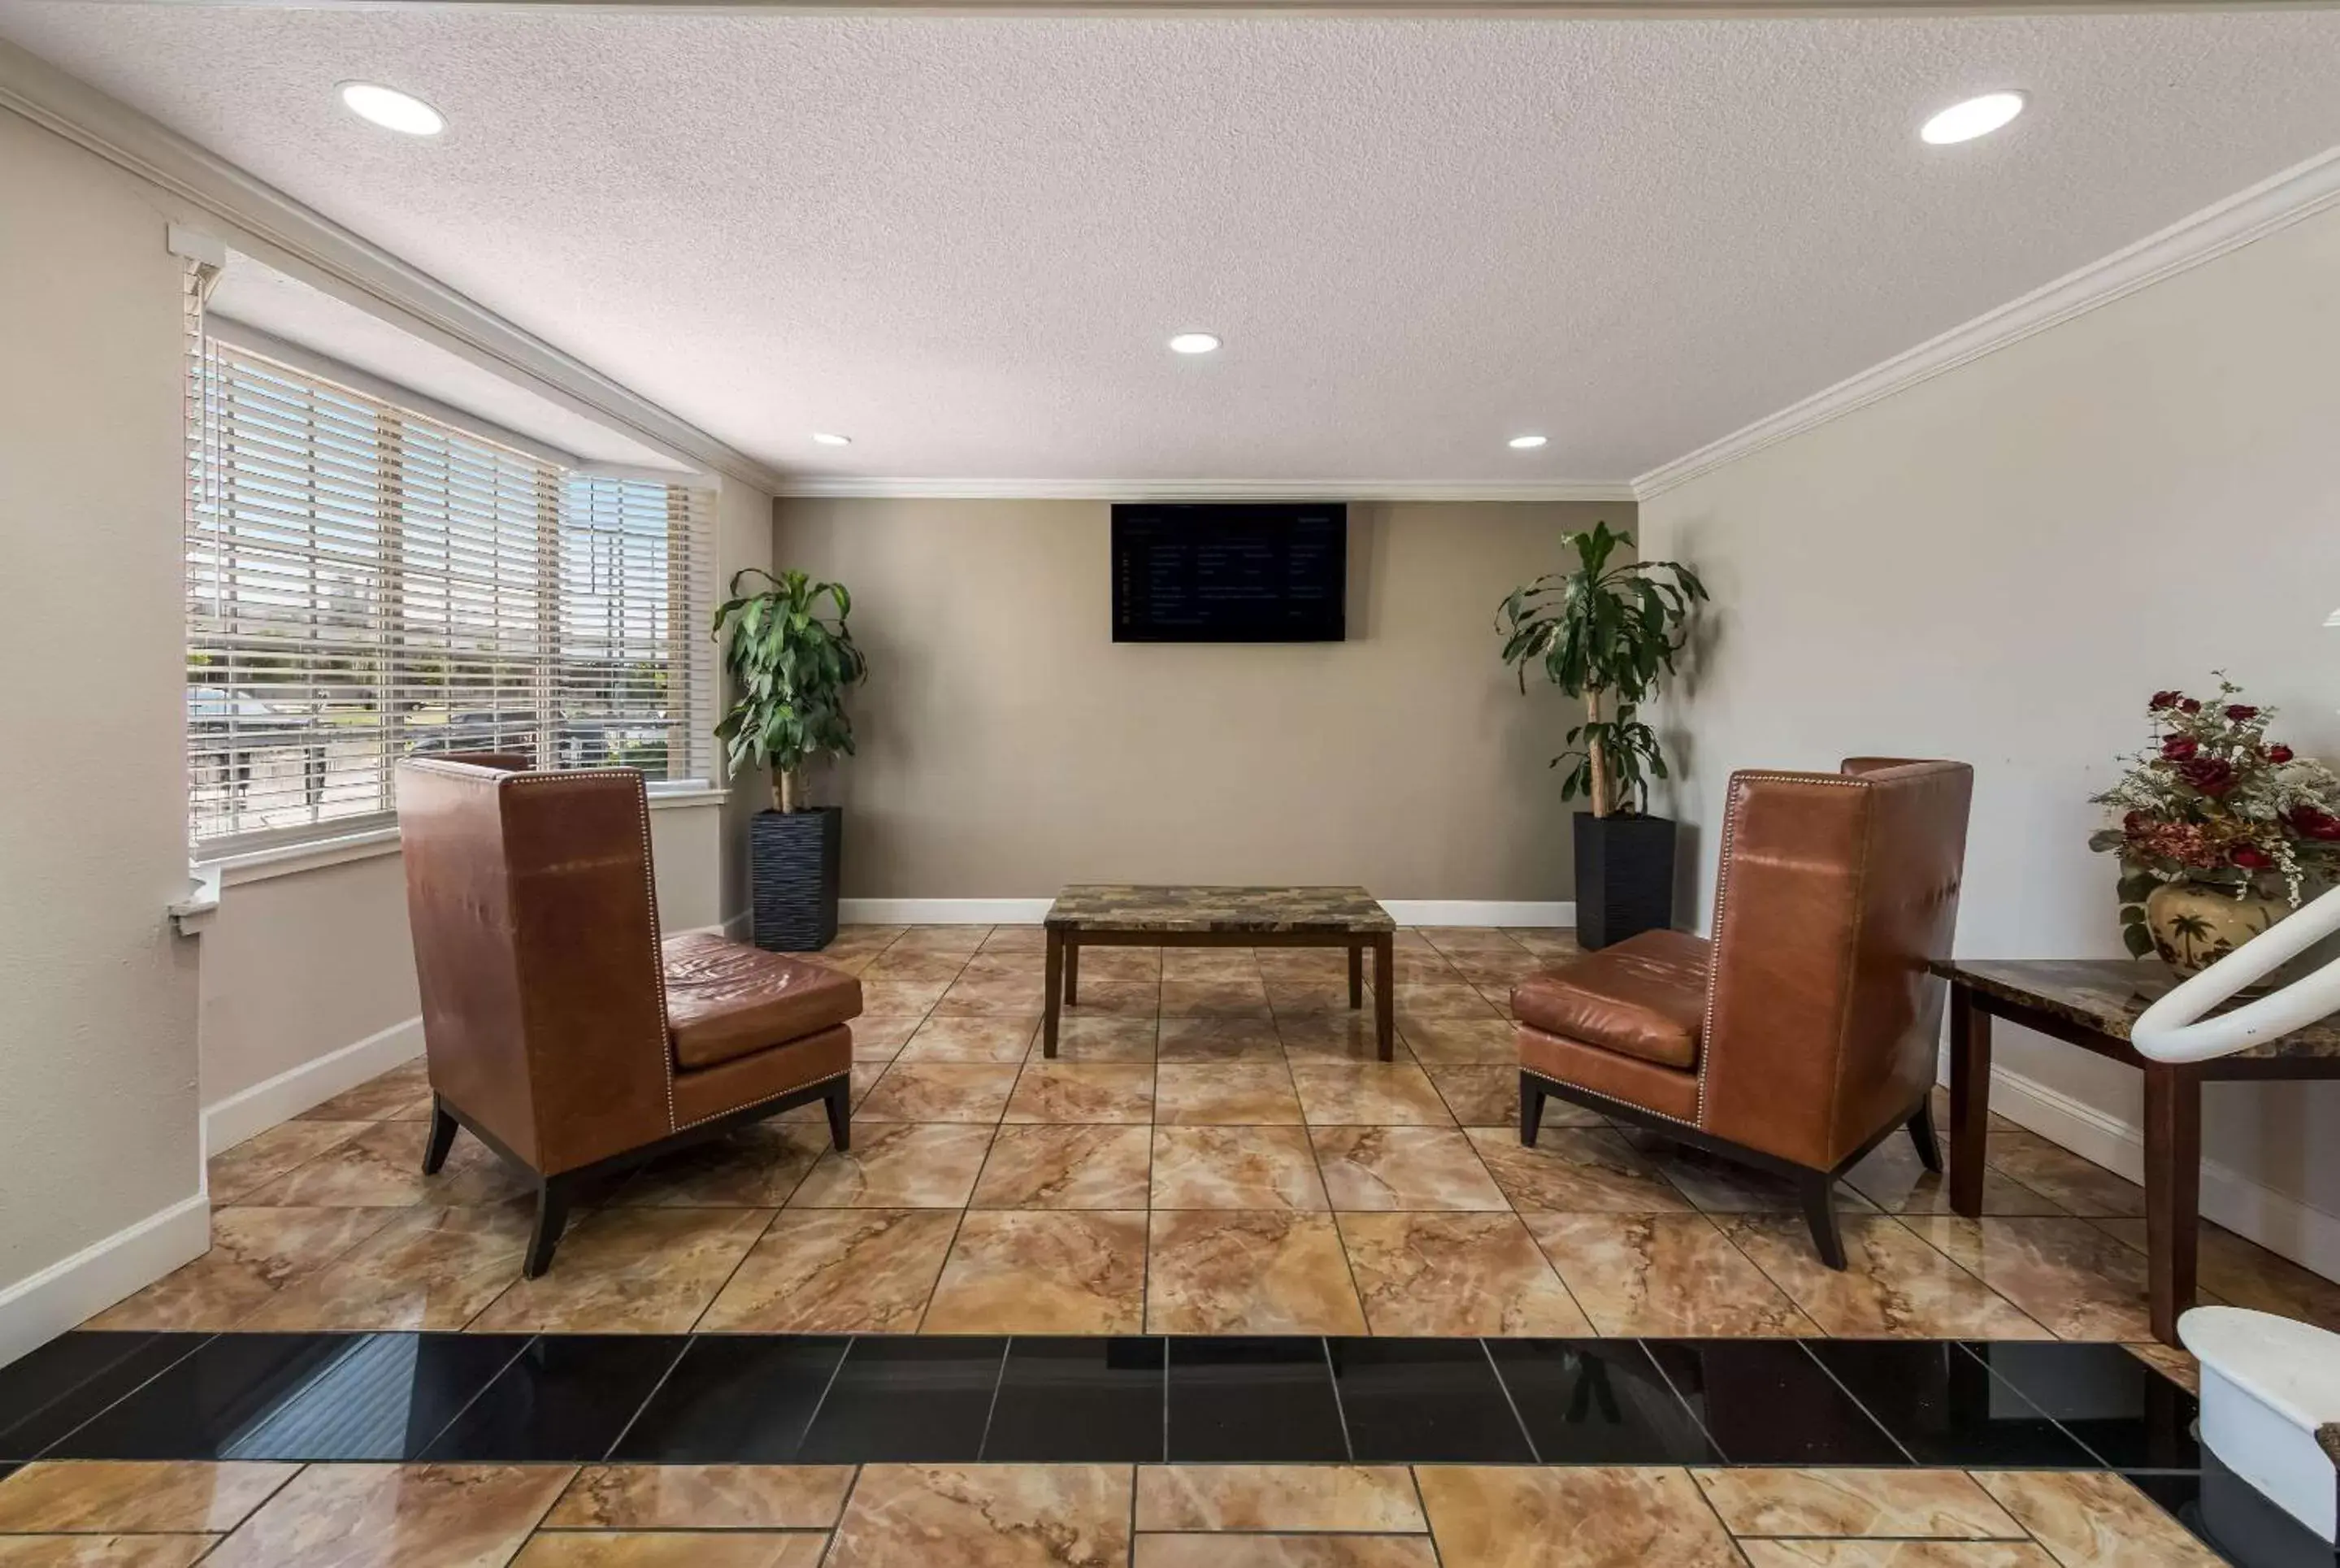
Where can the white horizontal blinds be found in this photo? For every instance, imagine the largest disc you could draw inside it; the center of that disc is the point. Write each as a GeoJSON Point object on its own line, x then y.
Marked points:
{"type": "Point", "coordinates": [365, 583]}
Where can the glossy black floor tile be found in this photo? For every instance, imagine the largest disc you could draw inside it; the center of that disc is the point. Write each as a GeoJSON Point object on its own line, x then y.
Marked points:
{"type": "Point", "coordinates": [1945, 1408]}
{"type": "Point", "coordinates": [907, 1399]}
{"type": "Point", "coordinates": [734, 1399]}
{"type": "Point", "coordinates": [235, 1395]}
{"type": "Point", "coordinates": [1425, 1400]}
{"type": "Point", "coordinates": [1098, 1401]}
{"type": "Point", "coordinates": [49, 1391]}
{"type": "Point", "coordinates": [385, 1396]}
{"type": "Point", "coordinates": [2124, 1411]}
{"type": "Point", "coordinates": [564, 1397]}
{"type": "Point", "coordinates": [1766, 1402]}
{"type": "Point", "coordinates": [1598, 1402]}
{"type": "Point", "coordinates": [2235, 1519]}
{"type": "Point", "coordinates": [1260, 1401]}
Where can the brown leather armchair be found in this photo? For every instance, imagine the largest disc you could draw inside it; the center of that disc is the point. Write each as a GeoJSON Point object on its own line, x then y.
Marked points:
{"type": "Point", "coordinates": [1804, 1034]}
{"type": "Point", "coordinates": [558, 1029]}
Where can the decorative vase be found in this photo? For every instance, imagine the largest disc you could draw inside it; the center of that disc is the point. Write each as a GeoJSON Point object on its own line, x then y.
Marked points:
{"type": "Point", "coordinates": [2194, 928]}
{"type": "Point", "coordinates": [796, 855]}
{"type": "Point", "coordinates": [1625, 878]}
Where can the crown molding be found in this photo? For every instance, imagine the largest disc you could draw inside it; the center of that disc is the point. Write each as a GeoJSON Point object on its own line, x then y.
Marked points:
{"type": "Point", "coordinates": [2299, 191]}
{"type": "Point", "coordinates": [1597, 8]}
{"type": "Point", "coordinates": [315, 244]}
{"type": "Point", "coordinates": [1363, 490]}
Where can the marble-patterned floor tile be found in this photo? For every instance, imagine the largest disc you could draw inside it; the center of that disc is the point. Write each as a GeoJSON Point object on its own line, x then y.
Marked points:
{"type": "Point", "coordinates": [1284, 1551]}
{"type": "Point", "coordinates": [1420, 1003]}
{"type": "Point", "coordinates": [1328, 998]}
{"type": "Point", "coordinates": [1547, 942]}
{"type": "Point", "coordinates": [1377, 1499]}
{"type": "Point", "coordinates": [104, 1551]}
{"type": "Point", "coordinates": [1308, 967]}
{"type": "Point", "coordinates": [2079, 1282]}
{"type": "Point", "coordinates": [2062, 1177]}
{"type": "Point", "coordinates": [837, 1271]}
{"type": "Point", "coordinates": [940, 1092]}
{"type": "Point", "coordinates": [1663, 1276]}
{"type": "Point", "coordinates": [915, 968]}
{"type": "Point", "coordinates": [754, 1167]}
{"type": "Point", "coordinates": [1025, 937]}
{"type": "Point", "coordinates": [380, 1166]}
{"type": "Point", "coordinates": [1214, 999]}
{"type": "Point", "coordinates": [235, 1172]}
{"type": "Point", "coordinates": [1894, 1286]}
{"type": "Point", "coordinates": [1121, 964]}
{"type": "Point", "coordinates": [1192, 1040]}
{"type": "Point", "coordinates": [1485, 1095]}
{"type": "Point", "coordinates": [1403, 1167]}
{"type": "Point", "coordinates": [2174, 1364]}
{"type": "Point", "coordinates": [881, 1039]}
{"type": "Point", "coordinates": [1213, 1271]}
{"type": "Point", "coordinates": [1065, 1165]}
{"type": "Point", "coordinates": [1456, 1273]}
{"type": "Point", "coordinates": [396, 1516]}
{"type": "Point", "coordinates": [630, 1271]}
{"type": "Point", "coordinates": [1208, 964]}
{"type": "Point", "coordinates": [1424, 966]}
{"type": "Point", "coordinates": [1932, 1503]}
{"type": "Point", "coordinates": [254, 1253]}
{"type": "Point", "coordinates": [860, 938]}
{"type": "Point", "coordinates": [1115, 999]}
{"type": "Point", "coordinates": [1026, 965]}
{"type": "Point", "coordinates": [1463, 1042]}
{"type": "Point", "coordinates": [898, 1164]}
{"type": "Point", "coordinates": [1189, 1094]}
{"type": "Point", "coordinates": [985, 1516]}
{"type": "Point", "coordinates": [703, 1497]}
{"type": "Point", "coordinates": [1894, 1179]}
{"type": "Point", "coordinates": [135, 1498]}
{"type": "Point", "coordinates": [402, 1094]}
{"type": "Point", "coordinates": [1368, 1094]}
{"type": "Point", "coordinates": [1342, 1037]}
{"type": "Point", "coordinates": [1575, 1170]}
{"type": "Point", "coordinates": [429, 1268]}
{"type": "Point", "coordinates": [2093, 1519]}
{"type": "Point", "coordinates": [671, 1548]}
{"type": "Point", "coordinates": [2244, 1274]}
{"type": "Point", "coordinates": [1851, 1552]}
{"type": "Point", "coordinates": [1000, 1038]}
{"type": "Point", "coordinates": [1087, 1040]}
{"type": "Point", "coordinates": [1032, 1270]}
{"type": "Point", "coordinates": [903, 998]}
{"type": "Point", "coordinates": [1492, 969]}
{"type": "Point", "coordinates": [1453, 941]}
{"type": "Point", "coordinates": [964, 940]}
{"type": "Point", "coordinates": [1588, 1517]}
{"type": "Point", "coordinates": [1071, 1091]}
{"type": "Point", "coordinates": [1718, 1185]}
{"type": "Point", "coordinates": [1235, 1168]}
{"type": "Point", "coordinates": [1011, 996]}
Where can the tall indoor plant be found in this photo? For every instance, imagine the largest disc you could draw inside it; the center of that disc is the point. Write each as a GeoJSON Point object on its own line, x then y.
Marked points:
{"type": "Point", "coordinates": [1607, 633]}
{"type": "Point", "coordinates": [790, 664]}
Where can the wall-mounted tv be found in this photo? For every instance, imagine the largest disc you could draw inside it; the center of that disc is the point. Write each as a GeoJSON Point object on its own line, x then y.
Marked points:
{"type": "Point", "coordinates": [1230, 572]}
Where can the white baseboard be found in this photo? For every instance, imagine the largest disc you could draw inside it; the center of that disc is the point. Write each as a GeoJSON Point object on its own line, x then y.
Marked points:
{"type": "Point", "coordinates": [297, 1089]}
{"type": "Point", "coordinates": [2283, 1224]}
{"type": "Point", "coordinates": [1031, 911]}
{"type": "Point", "coordinates": [35, 1310]}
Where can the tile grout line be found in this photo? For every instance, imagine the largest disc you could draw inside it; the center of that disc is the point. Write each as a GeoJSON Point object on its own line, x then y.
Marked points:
{"type": "Point", "coordinates": [690, 1342]}
{"type": "Point", "coordinates": [1494, 1369]}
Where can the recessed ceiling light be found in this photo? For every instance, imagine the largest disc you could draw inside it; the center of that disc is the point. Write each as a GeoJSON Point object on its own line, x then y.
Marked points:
{"type": "Point", "coordinates": [1975, 117]}
{"type": "Point", "coordinates": [1527, 442]}
{"type": "Point", "coordinates": [395, 110]}
{"type": "Point", "coordinates": [825, 439]}
{"type": "Point", "coordinates": [1193, 343]}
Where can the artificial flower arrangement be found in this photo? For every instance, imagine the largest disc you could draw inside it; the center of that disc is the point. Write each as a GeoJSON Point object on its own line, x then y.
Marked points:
{"type": "Point", "coordinates": [2212, 804]}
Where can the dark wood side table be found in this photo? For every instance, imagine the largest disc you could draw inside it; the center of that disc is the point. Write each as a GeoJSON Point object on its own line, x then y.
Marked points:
{"type": "Point", "coordinates": [1125, 915]}
{"type": "Point", "coordinates": [2091, 1003]}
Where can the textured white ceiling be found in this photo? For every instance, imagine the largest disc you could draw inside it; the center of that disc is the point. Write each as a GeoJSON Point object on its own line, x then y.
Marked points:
{"type": "Point", "coordinates": [961, 240]}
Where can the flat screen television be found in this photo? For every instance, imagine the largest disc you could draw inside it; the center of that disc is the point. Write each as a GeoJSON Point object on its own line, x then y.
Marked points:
{"type": "Point", "coordinates": [1230, 572]}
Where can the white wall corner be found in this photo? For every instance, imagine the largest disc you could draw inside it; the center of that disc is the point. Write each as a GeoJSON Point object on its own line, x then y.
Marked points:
{"type": "Point", "coordinates": [71, 1291]}
{"type": "Point", "coordinates": [281, 1098]}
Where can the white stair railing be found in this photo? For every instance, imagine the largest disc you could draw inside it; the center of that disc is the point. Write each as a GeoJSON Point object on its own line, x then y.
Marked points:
{"type": "Point", "coordinates": [2174, 1028]}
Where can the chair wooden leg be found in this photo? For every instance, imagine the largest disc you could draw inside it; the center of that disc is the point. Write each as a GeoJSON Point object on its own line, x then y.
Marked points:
{"type": "Point", "coordinates": [1820, 1212]}
{"type": "Point", "coordinates": [1921, 1133]}
{"type": "Point", "coordinates": [1530, 1108]}
{"type": "Point", "coordinates": [839, 1101]}
{"type": "Point", "coordinates": [443, 1136]}
{"type": "Point", "coordinates": [551, 1214]}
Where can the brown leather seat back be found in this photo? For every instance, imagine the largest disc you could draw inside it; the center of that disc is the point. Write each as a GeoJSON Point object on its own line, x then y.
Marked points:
{"type": "Point", "coordinates": [1835, 893]}
{"type": "Point", "coordinates": [536, 946]}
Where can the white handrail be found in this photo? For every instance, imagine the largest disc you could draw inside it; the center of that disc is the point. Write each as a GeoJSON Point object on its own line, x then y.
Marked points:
{"type": "Point", "coordinates": [2174, 1029]}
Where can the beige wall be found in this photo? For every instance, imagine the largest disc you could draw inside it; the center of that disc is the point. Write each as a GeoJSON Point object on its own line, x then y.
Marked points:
{"type": "Point", "coordinates": [743, 527]}
{"type": "Point", "coordinates": [1008, 745]}
{"type": "Point", "coordinates": [97, 1031]}
{"type": "Point", "coordinates": [1998, 564]}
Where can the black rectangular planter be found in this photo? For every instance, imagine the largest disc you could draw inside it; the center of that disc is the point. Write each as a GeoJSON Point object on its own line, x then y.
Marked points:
{"type": "Point", "coordinates": [1624, 877]}
{"type": "Point", "coordinates": [795, 856]}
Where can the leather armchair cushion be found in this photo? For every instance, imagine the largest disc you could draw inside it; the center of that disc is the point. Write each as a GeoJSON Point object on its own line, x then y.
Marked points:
{"type": "Point", "coordinates": [725, 1000]}
{"type": "Point", "coordinates": [1644, 998]}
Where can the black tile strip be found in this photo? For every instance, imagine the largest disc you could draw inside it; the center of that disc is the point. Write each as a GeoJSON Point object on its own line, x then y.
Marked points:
{"type": "Point", "coordinates": [561, 1398]}
{"type": "Point", "coordinates": [236, 1393]}
{"type": "Point", "coordinates": [2234, 1518]}
{"type": "Point", "coordinates": [907, 1399]}
{"type": "Point", "coordinates": [1946, 1407]}
{"type": "Point", "coordinates": [1766, 1402]}
{"type": "Point", "coordinates": [1598, 1402]}
{"type": "Point", "coordinates": [1429, 1400]}
{"type": "Point", "coordinates": [74, 1377]}
{"type": "Point", "coordinates": [1252, 1401]}
{"type": "Point", "coordinates": [1063, 1399]}
{"type": "Point", "coordinates": [2121, 1410]}
{"type": "Point", "coordinates": [734, 1399]}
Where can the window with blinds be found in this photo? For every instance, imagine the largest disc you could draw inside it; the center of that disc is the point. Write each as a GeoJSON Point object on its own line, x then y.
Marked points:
{"type": "Point", "coordinates": [365, 584]}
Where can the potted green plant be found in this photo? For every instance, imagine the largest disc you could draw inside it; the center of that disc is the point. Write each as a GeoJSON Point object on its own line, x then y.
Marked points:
{"type": "Point", "coordinates": [1606, 633]}
{"type": "Point", "coordinates": [790, 666]}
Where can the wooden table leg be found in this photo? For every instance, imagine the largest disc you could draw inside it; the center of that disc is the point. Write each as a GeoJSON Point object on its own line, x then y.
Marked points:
{"type": "Point", "coordinates": [2173, 1191]}
{"type": "Point", "coordinates": [1052, 1003]}
{"type": "Point", "coordinates": [1072, 974]}
{"type": "Point", "coordinates": [1356, 974]}
{"type": "Point", "coordinates": [1969, 1100]}
{"type": "Point", "coordinates": [1384, 993]}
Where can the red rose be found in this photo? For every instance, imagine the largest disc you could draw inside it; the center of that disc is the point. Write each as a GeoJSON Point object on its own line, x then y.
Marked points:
{"type": "Point", "coordinates": [2161, 700]}
{"type": "Point", "coordinates": [2178, 748]}
{"type": "Point", "coordinates": [2250, 857]}
{"type": "Point", "coordinates": [2209, 775]}
{"type": "Point", "coordinates": [2309, 822]}
{"type": "Point", "coordinates": [2240, 713]}
{"type": "Point", "coordinates": [2279, 754]}
{"type": "Point", "coordinates": [2189, 705]}
{"type": "Point", "coordinates": [2136, 822]}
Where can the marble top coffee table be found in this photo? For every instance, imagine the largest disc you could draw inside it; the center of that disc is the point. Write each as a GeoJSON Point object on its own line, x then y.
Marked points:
{"type": "Point", "coordinates": [1127, 915]}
